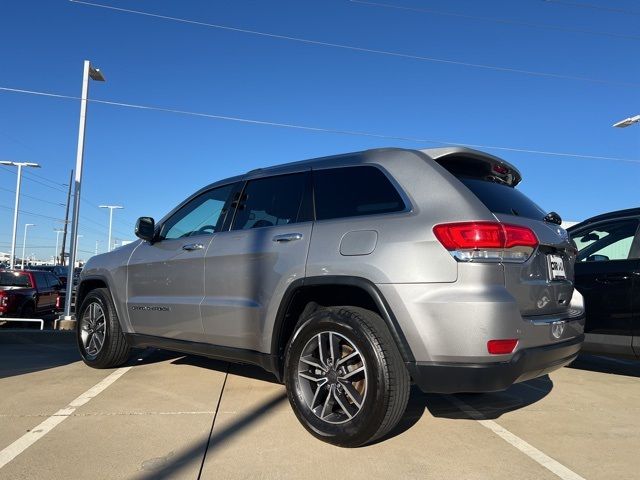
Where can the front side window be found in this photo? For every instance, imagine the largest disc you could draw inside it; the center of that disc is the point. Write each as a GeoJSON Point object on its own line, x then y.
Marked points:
{"type": "Point", "coordinates": [354, 191]}
{"type": "Point", "coordinates": [201, 216]}
{"type": "Point", "coordinates": [608, 241]}
{"type": "Point", "coordinates": [267, 202]}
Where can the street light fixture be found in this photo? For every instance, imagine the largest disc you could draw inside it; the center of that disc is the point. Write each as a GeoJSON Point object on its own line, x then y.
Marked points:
{"type": "Point", "coordinates": [627, 121]}
{"type": "Point", "coordinates": [58, 232]}
{"type": "Point", "coordinates": [17, 203]}
{"type": "Point", "coordinates": [111, 209]}
{"type": "Point", "coordinates": [24, 241]}
{"type": "Point", "coordinates": [95, 74]}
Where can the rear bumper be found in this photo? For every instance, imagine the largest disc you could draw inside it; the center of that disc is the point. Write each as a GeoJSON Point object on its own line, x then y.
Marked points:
{"type": "Point", "coordinates": [490, 377]}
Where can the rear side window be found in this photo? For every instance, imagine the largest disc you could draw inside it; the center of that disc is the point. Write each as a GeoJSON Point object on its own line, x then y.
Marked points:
{"type": "Point", "coordinates": [354, 191]}
{"type": "Point", "coordinates": [41, 279]}
{"type": "Point", "coordinates": [502, 199]}
{"type": "Point", "coordinates": [267, 202]}
{"type": "Point", "coordinates": [14, 279]}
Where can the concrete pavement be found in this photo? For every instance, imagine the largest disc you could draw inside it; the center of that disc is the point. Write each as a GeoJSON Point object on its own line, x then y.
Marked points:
{"type": "Point", "coordinates": [174, 416]}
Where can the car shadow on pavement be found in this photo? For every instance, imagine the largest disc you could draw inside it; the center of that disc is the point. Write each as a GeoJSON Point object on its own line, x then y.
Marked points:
{"type": "Point", "coordinates": [614, 366]}
{"type": "Point", "coordinates": [471, 406]}
{"type": "Point", "coordinates": [248, 371]}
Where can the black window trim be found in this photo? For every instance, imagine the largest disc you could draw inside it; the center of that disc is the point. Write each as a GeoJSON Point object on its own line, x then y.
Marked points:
{"type": "Point", "coordinates": [634, 251]}
{"type": "Point", "coordinates": [198, 194]}
{"type": "Point", "coordinates": [308, 184]}
{"type": "Point", "coordinates": [408, 206]}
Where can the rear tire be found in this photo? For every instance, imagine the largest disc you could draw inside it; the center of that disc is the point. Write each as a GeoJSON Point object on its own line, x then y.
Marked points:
{"type": "Point", "coordinates": [100, 339]}
{"type": "Point", "coordinates": [346, 380]}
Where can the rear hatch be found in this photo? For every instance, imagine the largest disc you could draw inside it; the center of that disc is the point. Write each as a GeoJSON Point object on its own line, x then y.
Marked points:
{"type": "Point", "coordinates": [543, 284]}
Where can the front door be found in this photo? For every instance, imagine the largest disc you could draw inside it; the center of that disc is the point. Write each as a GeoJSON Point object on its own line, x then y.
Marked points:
{"type": "Point", "coordinates": [604, 274]}
{"type": "Point", "coordinates": [166, 279]}
{"type": "Point", "coordinates": [248, 269]}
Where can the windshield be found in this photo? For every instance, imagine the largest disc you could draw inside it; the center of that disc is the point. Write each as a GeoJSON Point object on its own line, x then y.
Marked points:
{"type": "Point", "coordinates": [14, 279]}
{"type": "Point", "coordinates": [503, 199]}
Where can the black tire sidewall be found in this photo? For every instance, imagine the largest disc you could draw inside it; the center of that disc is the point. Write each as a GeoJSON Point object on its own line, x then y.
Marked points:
{"type": "Point", "coordinates": [365, 424]}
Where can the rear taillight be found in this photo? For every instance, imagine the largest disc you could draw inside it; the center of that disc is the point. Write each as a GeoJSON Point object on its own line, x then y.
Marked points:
{"type": "Point", "coordinates": [4, 300]}
{"type": "Point", "coordinates": [487, 241]}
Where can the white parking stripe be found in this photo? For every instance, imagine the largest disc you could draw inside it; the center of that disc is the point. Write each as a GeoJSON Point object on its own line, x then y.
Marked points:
{"type": "Point", "coordinates": [36, 433]}
{"type": "Point", "coordinates": [529, 450]}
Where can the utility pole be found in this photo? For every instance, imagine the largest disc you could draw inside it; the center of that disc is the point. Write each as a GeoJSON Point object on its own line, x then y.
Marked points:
{"type": "Point", "coordinates": [66, 220]}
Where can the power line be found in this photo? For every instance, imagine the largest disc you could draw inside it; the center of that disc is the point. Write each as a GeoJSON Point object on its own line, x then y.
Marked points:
{"type": "Point", "coordinates": [327, 130]}
{"type": "Point", "coordinates": [504, 21]}
{"type": "Point", "coordinates": [593, 7]}
{"type": "Point", "coordinates": [24, 212]}
{"type": "Point", "coordinates": [362, 49]}
{"type": "Point", "coordinates": [26, 176]}
{"type": "Point", "coordinates": [34, 198]}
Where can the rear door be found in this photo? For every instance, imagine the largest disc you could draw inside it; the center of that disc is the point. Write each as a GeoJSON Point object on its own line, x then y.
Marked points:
{"type": "Point", "coordinates": [165, 280]}
{"type": "Point", "coordinates": [249, 267]}
{"type": "Point", "coordinates": [46, 299]}
{"type": "Point", "coordinates": [606, 275]}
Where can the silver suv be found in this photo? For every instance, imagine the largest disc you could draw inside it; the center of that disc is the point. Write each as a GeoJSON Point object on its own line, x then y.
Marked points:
{"type": "Point", "coordinates": [348, 277]}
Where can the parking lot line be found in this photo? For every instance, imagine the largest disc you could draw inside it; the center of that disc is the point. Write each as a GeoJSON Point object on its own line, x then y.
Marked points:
{"type": "Point", "coordinates": [36, 433]}
{"type": "Point", "coordinates": [529, 450]}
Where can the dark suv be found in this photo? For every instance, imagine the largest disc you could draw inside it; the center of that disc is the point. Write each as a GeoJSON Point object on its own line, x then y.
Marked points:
{"type": "Point", "coordinates": [608, 276]}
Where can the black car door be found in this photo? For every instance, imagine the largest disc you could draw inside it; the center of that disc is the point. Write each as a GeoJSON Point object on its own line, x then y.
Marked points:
{"type": "Point", "coordinates": [606, 275]}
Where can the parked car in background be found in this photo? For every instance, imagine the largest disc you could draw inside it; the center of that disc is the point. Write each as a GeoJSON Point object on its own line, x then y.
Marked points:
{"type": "Point", "coordinates": [61, 272]}
{"type": "Point", "coordinates": [608, 276]}
{"type": "Point", "coordinates": [29, 293]}
{"type": "Point", "coordinates": [347, 277]}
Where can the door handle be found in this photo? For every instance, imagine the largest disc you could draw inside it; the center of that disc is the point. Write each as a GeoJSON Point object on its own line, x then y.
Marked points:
{"type": "Point", "coordinates": [193, 246]}
{"type": "Point", "coordinates": [287, 237]}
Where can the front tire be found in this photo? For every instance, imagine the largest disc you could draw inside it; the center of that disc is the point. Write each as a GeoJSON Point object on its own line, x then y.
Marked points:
{"type": "Point", "coordinates": [345, 377]}
{"type": "Point", "coordinates": [99, 336]}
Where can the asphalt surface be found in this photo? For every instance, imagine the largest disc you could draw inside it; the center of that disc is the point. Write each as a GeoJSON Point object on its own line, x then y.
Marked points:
{"type": "Point", "coordinates": [175, 416]}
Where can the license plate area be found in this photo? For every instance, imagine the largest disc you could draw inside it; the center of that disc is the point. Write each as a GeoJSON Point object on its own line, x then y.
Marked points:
{"type": "Point", "coordinates": [556, 267]}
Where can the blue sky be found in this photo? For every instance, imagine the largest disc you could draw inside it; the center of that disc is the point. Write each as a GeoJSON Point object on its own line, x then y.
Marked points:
{"type": "Point", "coordinates": [149, 161]}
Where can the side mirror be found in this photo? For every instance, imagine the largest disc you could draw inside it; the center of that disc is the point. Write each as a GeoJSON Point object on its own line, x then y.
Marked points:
{"type": "Point", "coordinates": [145, 229]}
{"type": "Point", "coordinates": [553, 217]}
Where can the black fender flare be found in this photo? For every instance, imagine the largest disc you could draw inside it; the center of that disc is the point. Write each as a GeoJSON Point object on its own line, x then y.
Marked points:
{"type": "Point", "coordinates": [369, 287]}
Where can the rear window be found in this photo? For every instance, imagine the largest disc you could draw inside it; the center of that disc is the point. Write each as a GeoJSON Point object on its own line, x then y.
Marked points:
{"type": "Point", "coordinates": [502, 199]}
{"type": "Point", "coordinates": [14, 279]}
{"type": "Point", "coordinates": [353, 191]}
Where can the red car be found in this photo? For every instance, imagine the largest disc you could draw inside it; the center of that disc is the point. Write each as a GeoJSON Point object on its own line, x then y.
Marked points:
{"type": "Point", "coordinates": [29, 294]}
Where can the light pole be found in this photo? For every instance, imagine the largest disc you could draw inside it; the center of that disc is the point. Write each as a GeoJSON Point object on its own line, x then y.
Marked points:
{"type": "Point", "coordinates": [92, 73]}
{"type": "Point", "coordinates": [627, 121]}
{"type": "Point", "coordinates": [111, 209]}
{"type": "Point", "coordinates": [17, 204]}
{"type": "Point", "coordinates": [97, 242]}
{"type": "Point", "coordinates": [24, 241]}
{"type": "Point", "coordinates": [58, 232]}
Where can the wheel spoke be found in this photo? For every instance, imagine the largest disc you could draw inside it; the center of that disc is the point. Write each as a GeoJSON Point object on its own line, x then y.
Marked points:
{"type": "Point", "coordinates": [99, 341]}
{"type": "Point", "coordinates": [352, 373]}
{"type": "Point", "coordinates": [311, 377]}
{"type": "Point", "coordinates": [312, 361]}
{"type": "Point", "coordinates": [348, 358]}
{"type": "Point", "coordinates": [352, 393]}
{"type": "Point", "coordinates": [328, 403]}
{"type": "Point", "coordinates": [344, 404]}
{"type": "Point", "coordinates": [334, 347]}
{"type": "Point", "coordinates": [320, 387]}
{"type": "Point", "coordinates": [320, 350]}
